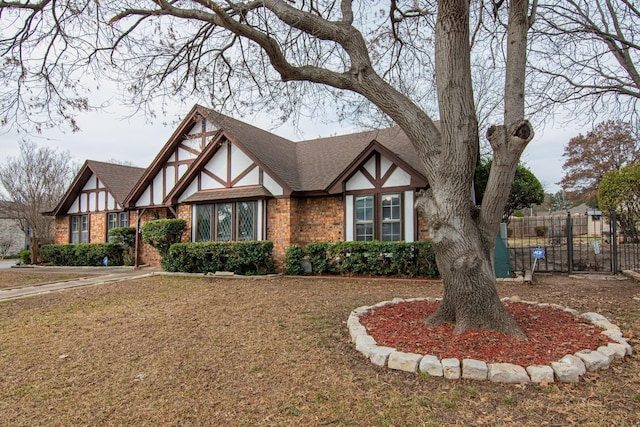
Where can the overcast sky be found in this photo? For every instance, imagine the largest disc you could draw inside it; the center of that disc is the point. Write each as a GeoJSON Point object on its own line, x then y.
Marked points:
{"type": "Point", "coordinates": [106, 135]}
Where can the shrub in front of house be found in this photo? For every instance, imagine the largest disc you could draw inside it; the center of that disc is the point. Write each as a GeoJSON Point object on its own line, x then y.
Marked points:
{"type": "Point", "coordinates": [162, 233]}
{"type": "Point", "coordinates": [83, 254]}
{"type": "Point", "coordinates": [402, 259]}
{"type": "Point", "coordinates": [293, 261]}
{"type": "Point", "coordinates": [126, 238]}
{"type": "Point", "coordinates": [245, 258]}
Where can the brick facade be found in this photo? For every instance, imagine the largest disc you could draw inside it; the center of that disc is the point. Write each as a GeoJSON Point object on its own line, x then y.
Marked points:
{"type": "Point", "coordinates": [423, 230]}
{"type": "Point", "coordinates": [98, 227]}
{"type": "Point", "coordinates": [318, 219]}
{"type": "Point", "coordinates": [288, 221]}
{"type": "Point", "coordinates": [279, 228]}
{"type": "Point", "coordinates": [62, 233]}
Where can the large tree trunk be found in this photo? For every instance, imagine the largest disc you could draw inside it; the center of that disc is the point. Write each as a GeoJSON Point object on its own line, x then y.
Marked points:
{"type": "Point", "coordinates": [463, 237]}
{"type": "Point", "coordinates": [465, 262]}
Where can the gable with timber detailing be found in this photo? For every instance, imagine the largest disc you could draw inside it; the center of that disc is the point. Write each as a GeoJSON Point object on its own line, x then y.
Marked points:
{"type": "Point", "coordinates": [178, 157]}
{"type": "Point", "coordinates": [228, 166]}
{"type": "Point", "coordinates": [94, 197]}
{"type": "Point", "coordinates": [377, 172]}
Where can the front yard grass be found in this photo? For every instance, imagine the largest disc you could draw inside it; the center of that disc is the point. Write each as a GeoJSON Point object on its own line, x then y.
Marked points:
{"type": "Point", "coordinates": [202, 351]}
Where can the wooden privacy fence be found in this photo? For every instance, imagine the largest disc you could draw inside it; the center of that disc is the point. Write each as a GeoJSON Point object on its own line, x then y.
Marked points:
{"type": "Point", "coordinates": [571, 243]}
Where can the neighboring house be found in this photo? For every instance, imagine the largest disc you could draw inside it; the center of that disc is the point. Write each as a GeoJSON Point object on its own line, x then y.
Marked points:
{"type": "Point", "coordinates": [12, 238]}
{"type": "Point", "coordinates": [232, 181]}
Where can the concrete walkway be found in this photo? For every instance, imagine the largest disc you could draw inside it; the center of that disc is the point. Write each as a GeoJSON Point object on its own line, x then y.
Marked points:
{"type": "Point", "coordinates": [95, 276]}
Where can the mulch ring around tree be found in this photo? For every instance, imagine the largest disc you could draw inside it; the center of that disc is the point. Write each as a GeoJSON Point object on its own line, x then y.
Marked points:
{"type": "Point", "coordinates": [552, 333]}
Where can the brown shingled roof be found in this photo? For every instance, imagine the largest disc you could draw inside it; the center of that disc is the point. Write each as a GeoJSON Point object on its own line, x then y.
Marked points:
{"type": "Point", "coordinates": [312, 165]}
{"type": "Point", "coordinates": [321, 161]}
{"type": "Point", "coordinates": [118, 179]}
{"type": "Point", "coordinates": [275, 152]}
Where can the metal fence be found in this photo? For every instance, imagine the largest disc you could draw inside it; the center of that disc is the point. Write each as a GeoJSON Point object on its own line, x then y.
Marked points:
{"type": "Point", "coordinates": [571, 243]}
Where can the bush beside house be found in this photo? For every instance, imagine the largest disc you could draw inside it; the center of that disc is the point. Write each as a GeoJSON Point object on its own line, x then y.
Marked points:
{"type": "Point", "coordinates": [412, 259]}
{"type": "Point", "coordinates": [246, 258]}
{"type": "Point", "coordinates": [83, 254]}
{"type": "Point", "coordinates": [162, 233]}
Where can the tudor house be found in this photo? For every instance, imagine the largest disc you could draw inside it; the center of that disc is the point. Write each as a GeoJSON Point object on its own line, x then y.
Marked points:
{"type": "Point", "coordinates": [232, 181]}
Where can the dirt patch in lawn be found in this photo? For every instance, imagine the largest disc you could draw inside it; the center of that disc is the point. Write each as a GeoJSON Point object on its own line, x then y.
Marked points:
{"type": "Point", "coordinates": [213, 351]}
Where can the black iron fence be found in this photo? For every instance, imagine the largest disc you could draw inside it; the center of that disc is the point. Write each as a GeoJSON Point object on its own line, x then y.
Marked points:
{"type": "Point", "coordinates": [571, 243]}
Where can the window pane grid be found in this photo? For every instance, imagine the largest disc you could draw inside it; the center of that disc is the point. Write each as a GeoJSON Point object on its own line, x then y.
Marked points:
{"type": "Point", "coordinates": [203, 223]}
{"type": "Point", "coordinates": [246, 220]}
{"type": "Point", "coordinates": [111, 221]}
{"type": "Point", "coordinates": [224, 221]}
{"type": "Point", "coordinates": [364, 218]}
{"type": "Point", "coordinates": [124, 219]}
{"type": "Point", "coordinates": [391, 230]}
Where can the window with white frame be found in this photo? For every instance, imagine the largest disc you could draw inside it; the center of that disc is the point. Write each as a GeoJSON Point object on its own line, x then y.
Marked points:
{"type": "Point", "coordinates": [364, 218]}
{"type": "Point", "coordinates": [223, 222]}
{"type": "Point", "coordinates": [391, 218]}
{"type": "Point", "coordinates": [80, 229]}
{"type": "Point", "coordinates": [378, 217]}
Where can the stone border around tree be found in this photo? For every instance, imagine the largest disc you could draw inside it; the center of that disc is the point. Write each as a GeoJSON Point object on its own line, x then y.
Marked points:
{"type": "Point", "coordinates": [568, 369]}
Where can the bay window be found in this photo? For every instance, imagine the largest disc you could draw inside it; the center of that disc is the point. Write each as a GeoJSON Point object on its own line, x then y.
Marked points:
{"type": "Point", "coordinates": [223, 222]}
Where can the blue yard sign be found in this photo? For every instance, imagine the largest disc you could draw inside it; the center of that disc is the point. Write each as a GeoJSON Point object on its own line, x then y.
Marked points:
{"type": "Point", "coordinates": [538, 253]}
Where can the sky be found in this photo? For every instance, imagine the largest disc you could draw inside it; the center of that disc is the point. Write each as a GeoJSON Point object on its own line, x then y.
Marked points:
{"type": "Point", "coordinates": [106, 136]}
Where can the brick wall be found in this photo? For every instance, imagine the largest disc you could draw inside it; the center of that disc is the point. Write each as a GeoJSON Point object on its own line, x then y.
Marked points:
{"type": "Point", "coordinates": [303, 221]}
{"type": "Point", "coordinates": [61, 229]}
{"type": "Point", "coordinates": [279, 228]}
{"type": "Point", "coordinates": [184, 212]}
{"type": "Point", "coordinates": [318, 219]}
{"type": "Point", "coordinates": [98, 227]}
{"type": "Point", "coordinates": [423, 230]}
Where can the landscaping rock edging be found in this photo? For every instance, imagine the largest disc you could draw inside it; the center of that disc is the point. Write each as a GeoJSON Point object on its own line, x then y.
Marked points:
{"type": "Point", "coordinates": [568, 369]}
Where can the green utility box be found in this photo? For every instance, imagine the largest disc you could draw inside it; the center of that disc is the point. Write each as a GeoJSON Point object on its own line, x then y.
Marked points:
{"type": "Point", "coordinates": [502, 263]}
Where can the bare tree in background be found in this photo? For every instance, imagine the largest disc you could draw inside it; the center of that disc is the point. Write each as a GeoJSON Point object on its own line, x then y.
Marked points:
{"type": "Point", "coordinates": [238, 54]}
{"type": "Point", "coordinates": [585, 55]}
{"type": "Point", "coordinates": [33, 183]}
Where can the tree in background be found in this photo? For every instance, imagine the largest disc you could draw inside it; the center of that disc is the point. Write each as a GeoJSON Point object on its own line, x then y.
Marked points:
{"type": "Point", "coordinates": [526, 189]}
{"type": "Point", "coordinates": [585, 56]}
{"type": "Point", "coordinates": [557, 202]}
{"type": "Point", "coordinates": [619, 190]}
{"type": "Point", "coordinates": [609, 146]}
{"type": "Point", "coordinates": [33, 183]}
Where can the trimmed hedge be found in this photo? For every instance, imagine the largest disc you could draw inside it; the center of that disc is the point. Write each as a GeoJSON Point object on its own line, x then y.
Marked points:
{"type": "Point", "coordinates": [293, 260]}
{"type": "Point", "coordinates": [162, 233]}
{"type": "Point", "coordinates": [413, 259]}
{"type": "Point", "coordinates": [246, 258]}
{"type": "Point", "coordinates": [83, 254]}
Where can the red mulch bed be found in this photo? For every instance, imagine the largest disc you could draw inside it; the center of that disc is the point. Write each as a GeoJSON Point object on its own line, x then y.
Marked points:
{"type": "Point", "coordinates": [551, 334]}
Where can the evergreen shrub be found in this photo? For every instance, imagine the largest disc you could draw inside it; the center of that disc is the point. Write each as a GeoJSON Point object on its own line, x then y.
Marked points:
{"type": "Point", "coordinates": [245, 258]}
{"type": "Point", "coordinates": [83, 254]}
{"type": "Point", "coordinates": [400, 259]}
